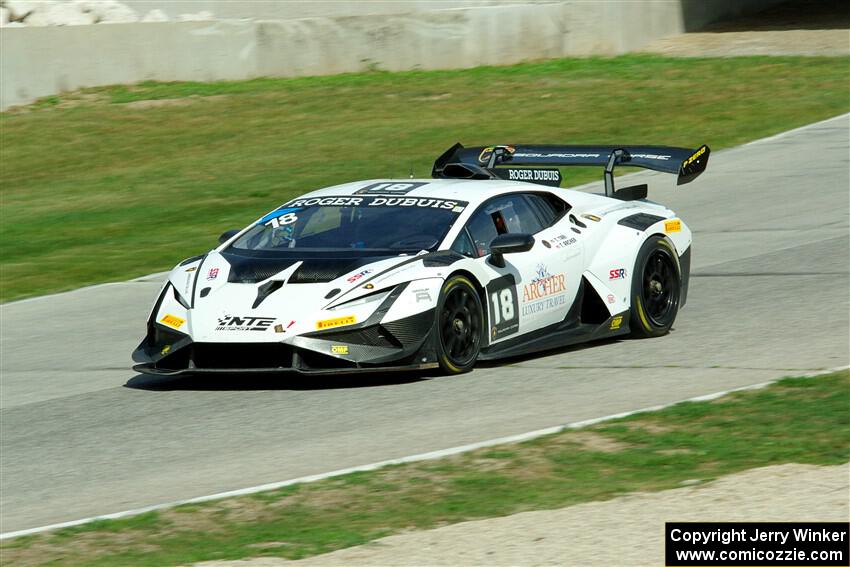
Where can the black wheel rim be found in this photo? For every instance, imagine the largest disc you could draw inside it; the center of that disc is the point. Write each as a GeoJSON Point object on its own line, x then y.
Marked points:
{"type": "Point", "coordinates": [460, 326]}
{"type": "Point", "coordinates": [660, 287]}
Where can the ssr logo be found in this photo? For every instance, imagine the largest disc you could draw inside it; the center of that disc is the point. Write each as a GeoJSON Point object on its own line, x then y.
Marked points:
{"type": "Point", "coordinates": [617, 274]}
{"type": "Point", "coordinates": [356, 277]}
{"type": "Point", "coordinates": [236, 323]}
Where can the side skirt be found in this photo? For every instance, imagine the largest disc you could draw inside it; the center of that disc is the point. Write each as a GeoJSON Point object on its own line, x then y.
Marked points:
{"type": "Point", "coordinates": [558, 335]}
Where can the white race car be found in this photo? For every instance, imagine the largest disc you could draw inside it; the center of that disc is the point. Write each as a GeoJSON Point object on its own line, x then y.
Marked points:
{"type": "Point", "coordinates": [488, 259]}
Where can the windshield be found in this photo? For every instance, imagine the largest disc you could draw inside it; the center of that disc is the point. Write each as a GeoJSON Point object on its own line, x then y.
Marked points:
{"type": "Point", "coordinates": [368, 222]}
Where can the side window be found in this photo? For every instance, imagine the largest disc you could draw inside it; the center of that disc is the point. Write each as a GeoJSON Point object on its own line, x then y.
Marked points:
{"type": "Point", "coordinates": [545, 208]}
{"type": "Point", "coordinates": [506, 214]}
{"type": "Point", "coordinates": [549, 208]}
{"type": "Point", "coordinates": [463, 245]}
{"type": "Point", "coordinates": [482, 229]}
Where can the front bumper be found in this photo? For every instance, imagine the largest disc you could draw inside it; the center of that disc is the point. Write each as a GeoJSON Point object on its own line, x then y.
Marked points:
{"type": "Point", "coordinates": [405, 344]}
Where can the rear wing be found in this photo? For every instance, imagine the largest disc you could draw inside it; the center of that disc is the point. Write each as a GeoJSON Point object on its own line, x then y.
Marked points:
{"type": "Point", "coordinates": [495, 162]}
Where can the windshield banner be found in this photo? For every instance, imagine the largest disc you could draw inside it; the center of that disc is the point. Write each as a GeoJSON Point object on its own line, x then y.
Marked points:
{"type": "Point", "coordinates": [370, 201]}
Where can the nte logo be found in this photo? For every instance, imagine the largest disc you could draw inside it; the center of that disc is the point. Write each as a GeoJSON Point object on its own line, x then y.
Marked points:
{"type": "Point", "coordinates": [617, 274]}
{"type": "Point", "coordinates": [236, 323]}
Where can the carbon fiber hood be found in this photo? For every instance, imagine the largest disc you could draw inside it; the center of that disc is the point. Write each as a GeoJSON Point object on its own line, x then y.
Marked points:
{"type": "Point", "coordinates": [314, 267]}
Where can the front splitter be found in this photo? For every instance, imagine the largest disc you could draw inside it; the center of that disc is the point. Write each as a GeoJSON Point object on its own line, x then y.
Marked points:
{"type": "Point", "coordinates": [148, 369]}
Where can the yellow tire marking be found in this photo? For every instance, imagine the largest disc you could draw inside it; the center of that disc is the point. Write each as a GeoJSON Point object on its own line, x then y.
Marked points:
{"type": "Point", "coordinates": [641, 314]}
{"type": "Point", "coordinates": [451, 366]}
{"type": "Point", "coordinates": [672, 249]}
{"type": "Point", "coordinates": [457, 280]}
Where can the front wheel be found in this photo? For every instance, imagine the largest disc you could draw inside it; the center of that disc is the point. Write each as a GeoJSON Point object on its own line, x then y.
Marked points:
{"type": "Point", "coordinates": [458, 325]}
{"type": "Point", "coordinates": [656, 288]}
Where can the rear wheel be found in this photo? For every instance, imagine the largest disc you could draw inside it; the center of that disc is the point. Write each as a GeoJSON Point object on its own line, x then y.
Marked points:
{"type": "Point", "coordinates": [458, 325]}
{"type": "Point", "coordinates": [656, 288]}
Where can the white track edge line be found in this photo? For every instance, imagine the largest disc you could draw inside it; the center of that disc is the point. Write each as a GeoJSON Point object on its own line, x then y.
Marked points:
{"type": "Point", "coordinates": [576, 188]}
{"type": "Point", "coordinates": [431, 455]}
{"type": "Point", "coordinates": [791, 131]}
{"type": "Point", "coordinates": [157, 277]}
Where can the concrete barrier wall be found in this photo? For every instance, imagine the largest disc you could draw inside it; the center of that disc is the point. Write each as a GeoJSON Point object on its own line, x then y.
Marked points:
{"type": "Point", "coordinates": [40, 61]}
{"type": "Point", "coordinates": [289, 9]}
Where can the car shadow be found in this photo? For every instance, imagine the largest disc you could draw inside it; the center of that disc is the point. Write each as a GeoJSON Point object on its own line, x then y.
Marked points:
{"type": "Point", "coordinates": [283, 381]}
{"type": "Point", "coordinates": [549, 352]}
{"type": "Point", "coordinates": [292, 381]}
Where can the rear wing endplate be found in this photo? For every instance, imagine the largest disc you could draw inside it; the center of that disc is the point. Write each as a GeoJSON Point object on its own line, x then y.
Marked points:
{"type": "Point", "coordinates": [490, 162]}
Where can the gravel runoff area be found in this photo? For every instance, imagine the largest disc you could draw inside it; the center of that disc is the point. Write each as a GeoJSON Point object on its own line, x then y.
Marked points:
{"type": "Point", "coordinates": [628, 530]}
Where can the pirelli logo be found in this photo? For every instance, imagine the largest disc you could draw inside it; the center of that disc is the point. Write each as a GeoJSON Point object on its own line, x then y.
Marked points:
{"type": "Point", "coordinates": [694, 157]}
{"type": "Point", "coordinates": [674, 225]}
{"type": "Point", "coordinates": [338, 322]}
{"type": "Point", "coordinates": [172, 321]}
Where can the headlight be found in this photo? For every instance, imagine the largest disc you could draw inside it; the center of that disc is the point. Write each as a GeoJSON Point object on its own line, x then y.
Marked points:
{"type": "Point", "coordinates": [379, 295]}
{"type": "Point", "coordinates": [179, 297]}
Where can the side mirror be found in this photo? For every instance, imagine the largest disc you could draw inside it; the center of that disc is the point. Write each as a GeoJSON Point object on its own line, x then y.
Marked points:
{"type": "Point", "coordinates": [509, 244]}
{"type": "Point", "coordinates": [227, 235]}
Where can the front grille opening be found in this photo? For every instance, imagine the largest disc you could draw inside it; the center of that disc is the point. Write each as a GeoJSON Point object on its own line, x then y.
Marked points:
{"type": "Point", "coordinates": [593, 309]}
{"type": "Point", "coordinates": [235, 356]}
{"type": "Point", "coordinates": [310, 360]}
{"type": "Point", "coordinates": [254, 270]}
{"type": "Point", "coordinates": [318, 271]}
{"type": "Point", "coordinates": [178, 360]}
{"type": "Point", "coordinates": [160, 336]}
{"type": "Point", "coordinates": [375, 335]}
{"type": "Point", "coordinates": [411, 330]}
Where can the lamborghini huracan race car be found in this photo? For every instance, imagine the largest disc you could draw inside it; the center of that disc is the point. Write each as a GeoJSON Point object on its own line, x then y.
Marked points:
{"type": "Point", "coordinates": [488, 259]}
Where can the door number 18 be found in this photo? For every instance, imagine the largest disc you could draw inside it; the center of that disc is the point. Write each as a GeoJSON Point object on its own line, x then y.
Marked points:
{"type": "Point", "coordinates": [503, 306]}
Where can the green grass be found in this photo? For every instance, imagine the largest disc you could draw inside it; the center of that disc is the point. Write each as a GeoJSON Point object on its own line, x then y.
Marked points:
{"type": "Point", "coordinates": [95, 188]}
{"type": "Point", "coordinates": [797, 420]}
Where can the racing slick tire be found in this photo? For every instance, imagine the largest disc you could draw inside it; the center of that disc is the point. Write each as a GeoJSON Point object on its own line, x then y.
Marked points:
{"type": "Point", "coordinates": [458, 325]}
{"type": "Point", "coordinates": [656, 288]}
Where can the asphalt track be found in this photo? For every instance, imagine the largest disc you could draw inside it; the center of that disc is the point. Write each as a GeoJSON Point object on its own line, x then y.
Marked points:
{"type": "Point", "coordinates": [82, 435]}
